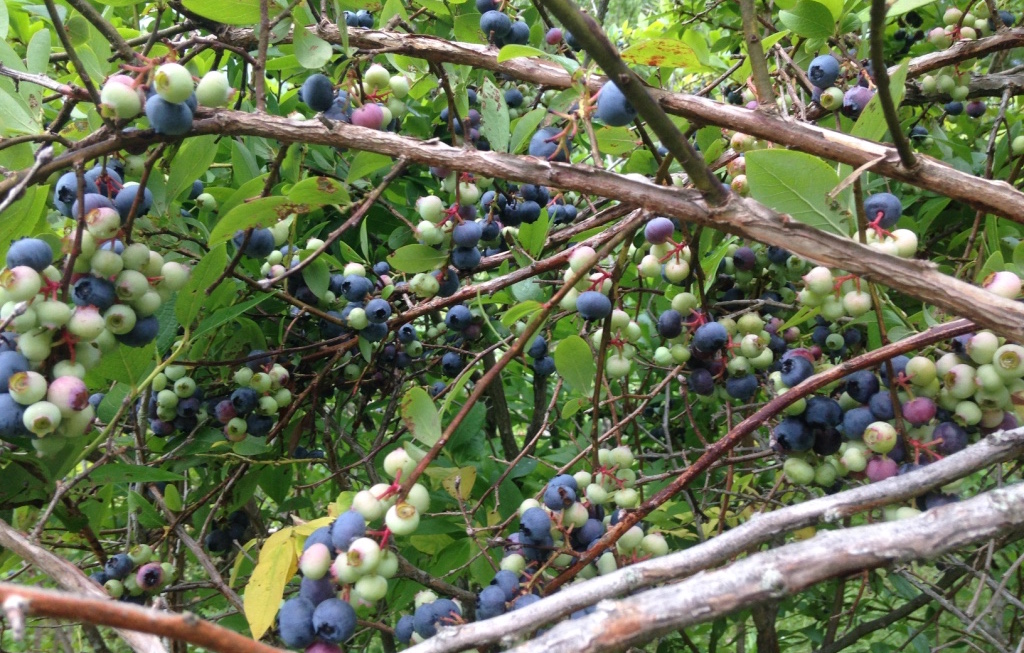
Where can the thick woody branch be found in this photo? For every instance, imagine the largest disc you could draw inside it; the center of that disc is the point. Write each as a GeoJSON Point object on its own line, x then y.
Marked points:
{"type": "Point", "coordinates": [755, 54]}
{"type": "Point", "coordinates": [995, 449]}
{"type": "Point", "coordinates": [741, 217]}
{"type": "Point", "coordinates": [980, 86]}
{"type": "Point", "coordinates": [597, 45]}
{"type": "Point", "coordinates": [746, 218]}
{"type": "Point", "coordinates": [991, 196]}
{"type": "Point", "coordinates": [785, 571]}
{"type": "Point", "coordinates": [184, 627]}
{"type": "Point", "coordinates": [71, 579]}
{"type": "Point", "coordinates": [964, 50]}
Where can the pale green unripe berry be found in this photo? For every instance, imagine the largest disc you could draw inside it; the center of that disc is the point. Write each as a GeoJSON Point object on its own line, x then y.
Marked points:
{"type": "Point", "coordinates": [173, 82]}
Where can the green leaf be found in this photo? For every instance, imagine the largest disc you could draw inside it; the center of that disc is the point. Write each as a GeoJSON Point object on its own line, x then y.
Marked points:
{"type": "Point", "coordinates": [312, 51]}
{"type": "Point", "coordinates": [37, 54]}
{"type": "Point", "coordinates": [533, 236]}
{"type": "Point", "coordinates": [901, 7]}
{"type": "Point", "coordinates": [575, 364]}
{"type": "Point", "coordinates": [229, 12]}
{"type": "Point", "coordinates": [617, 141]}
{"type": "Point", "coordinates": [227, 314]}
{"type": "Point", "coordinates": [420, 416]}
{"type": "Point", "coordinates": [192, 297]}
{"type": "Point", "coordinates": [835, 7]}
{"type": "Point", "coordinates": [517, 51]}
{"type": "Point", "coordinates": [129, 364]}
{"type": "Point", "coordinates": [277, 563]}
{"type": "Point", "coordinates": [365, 164]}
{"type": "Point", "coordinates": [319, 191]}
{"type": "Point", "coordinates": [871, 124]}
{"type": "Point", "coordinates": [809, 18]}
{"type": "Point", "coordinates": [15, 116]}
{"type": "Point", "coordinates": [416, 258]}
{"type": "Point", "coordinates": [172, 498]}
{"type": "Point", "coordinates": [27, 216]}
{"type": "Point", "coordinates": [797, 184]}
{"type": "Point", "coordinates": [317, 276]}
{"type": "Point", "coordinates": [519, 311]}
{"type": "Point", "coordinates": [262, 212]}
{"type": "Point", "coordinates": [525, 128]}
{"type": "Point", "coordinates": [669, 53]}
{"type": "Point", "coordinates": [494, 123]}
{"type": "Point", "coordinates": [466, 477]}
{"type": "Point", "coordinates": [125, 473]}
{"type": "Point", "coordinates": [193, 159]}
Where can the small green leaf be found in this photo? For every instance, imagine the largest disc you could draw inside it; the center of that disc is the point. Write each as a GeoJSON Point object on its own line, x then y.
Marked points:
{"type": "Point", "coordinates": [312, 51]}
{"type": "Point", "coordinates": [616, 141]}
{"type": "Point", "coordinates": [871, 124]}
{"type": "Point", "coordinates": [519, 311]}
{"type": "Point", "coordinates": [192, 160]}
{"type": "Point", "coordinates": [416, 258]}
{"type": "Point", "coordinates": [420, 416]}
{"type": "Point", "coordinates": [796, 183]}
{"type": "Point", "coordinates": [193, 297]}
{"type": "Point", "coordinates": [262, 212]}
{"type": "Point", "coordinates": [810, 19]}
{"type": "Point", "coordinates": [227, 314]}
{"type": "Point", "coordinates": [533, 236]}
{"type": "Point", "coordinates": [525, 128]}
{"type": "Point", "coordinates": [319, 191]}
{"type": "Point", "coordinates": [37, 54]}
{"type": "Point", "coordinates": [494, 123]}
{"type": "Point", "coordinates": [277, 563]}
{"type": "Point", "coordinates": [172, 498]}
{"type": "Point", "coordinates": [130, 364]}
{"type": "Point", "coordinates": [365, 164]}
{"type": "Point", "coordinates": [125, 473]}
{"type": "Point", "coordinates": [670, 53]}
{"type": "Point", "coordinates": [229, 12]}
{"type": "Point", "coordinates": [317, 276]}
{"type": "Point", "coordinates": [517, 51]}
{"type": "Point", "coordinates": [575, 364]}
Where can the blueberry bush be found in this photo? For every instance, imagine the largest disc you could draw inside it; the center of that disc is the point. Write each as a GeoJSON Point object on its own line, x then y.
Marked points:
{"type": "Point", "coordinates": [436, 325]}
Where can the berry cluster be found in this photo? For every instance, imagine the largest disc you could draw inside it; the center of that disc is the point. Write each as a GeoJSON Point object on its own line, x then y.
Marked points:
{"type": "Point", "coordinates": [134, 576]}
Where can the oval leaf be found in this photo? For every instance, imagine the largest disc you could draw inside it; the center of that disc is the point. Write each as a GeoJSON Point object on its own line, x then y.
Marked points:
{"type": "Point", "coordinates": [416, 258]}
{"type": "Point", "coordinates": [420, 416]}
{"type": "Point", "coordinates": [575, 364]}
{"type": "Point", "coordinates": [797, 184]}
{"type": "Point", "coordinates": [810, 19]}
{"type": "Point", "coordinates": [662, 53]}
{"type": "Point", "coordinates": [277, 564]}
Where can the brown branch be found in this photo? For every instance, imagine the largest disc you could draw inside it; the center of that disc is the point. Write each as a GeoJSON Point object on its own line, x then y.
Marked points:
{"type": "Point", "coordinates": [753, 422]}
{"type": "Point", "coordinates": [186, 627]}
{"type": "Point", "coordinates": [771, 575]}
{"type": "Point", "coordinates": [70, 578]}
{"type": "Point", "coordinates": [993, 450]}
{"type": "Point", "coordinates": [105, 28]}
{"type": "Point", "coordinates": [746, 218]}
{"type": "Point", "coordinates": [899, 139]}
{"type": "Point", "coordinates": [755, 54]}
{"type": "Point", "coordinates": [991, 196]}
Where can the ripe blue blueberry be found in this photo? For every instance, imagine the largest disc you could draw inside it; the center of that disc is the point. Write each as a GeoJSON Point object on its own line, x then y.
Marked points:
{"type": "Point", "coordinates": [884, 209]}
{"type": "Point", "coordinates": [535, 524]}
{"type": "Point", "coordinates": [377, 311]}
{"type": "Point", "coordinates": [544, 366]}
{"type": "Point", "coordinates": [348, 527]}
{"type": "Point", "coordinates": [593, 305]}
{"type": "Point", "coordinates": [143, 333]}
{"type": "Point", "coordinates": [495, 25]}
{"type": "Point", "coordinates": [261, 242]}
{"type": "Point", "coordinates": [544, 145]}
{"type": "Point", "coordinates": [613, 108]}
{"type": "Point", "coordinates": [823, 71]}
{"type": "Point", "coordinates": [295, 623]}
{"type": "Point", "coordinates": [795, 370]}
{"type": "Point", "coordinates": [334, 620]}
{"type": "Point", "coordinates": [173, 119]}
{"type": "Point", "coordinates": [710, 337]}
{"type": "Point", "coordinates": [317, 92]}
{"type": "Point", "coordinates": [792, 434]}
{"type": "Point", "coordinates": [30, 252]}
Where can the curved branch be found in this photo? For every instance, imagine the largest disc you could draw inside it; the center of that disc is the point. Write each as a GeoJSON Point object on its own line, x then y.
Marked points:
{"type": "Point", "coordinates": [185, 627]}
{"type": "Point", "coordinates": [995, 449]}
{"type": "Point", "coordinates": [768, 576]}
{"type": "Point", "coordinates": [71, 578]}
{"type": "Point", "coordinates": [995, 197]}
{"type": "Point", "coordinates": [899, 139]}
{"type": "Point", "coordinates": [742, 217]}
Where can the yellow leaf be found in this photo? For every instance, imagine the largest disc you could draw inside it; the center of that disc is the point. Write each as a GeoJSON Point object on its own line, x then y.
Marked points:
{"type": "Point", "coordinates": [277, 564]}
{"type": "Point", "coordinates": [466, 476]}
